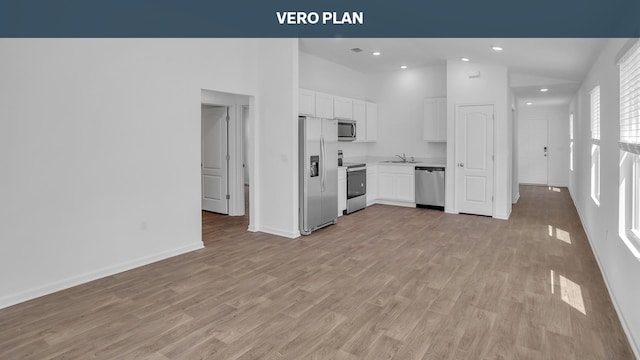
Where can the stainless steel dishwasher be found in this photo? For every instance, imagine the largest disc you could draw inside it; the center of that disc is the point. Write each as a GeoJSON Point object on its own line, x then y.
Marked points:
{"type": "Point", "coordinates": [430, 187]}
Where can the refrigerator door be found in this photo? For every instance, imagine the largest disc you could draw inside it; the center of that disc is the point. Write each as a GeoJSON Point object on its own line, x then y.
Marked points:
{"type": "Point", "coordinates": [330, 162]}
{"type": "Point", "coordinates": [311, 170]}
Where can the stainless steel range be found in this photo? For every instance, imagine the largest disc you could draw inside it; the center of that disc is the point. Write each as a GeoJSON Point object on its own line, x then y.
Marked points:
{"type": "Point", "coordinates": [356, 187]}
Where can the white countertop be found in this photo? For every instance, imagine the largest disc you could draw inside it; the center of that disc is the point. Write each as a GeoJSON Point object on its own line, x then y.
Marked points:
{"type": "Point", "coordinates": [435, 162]}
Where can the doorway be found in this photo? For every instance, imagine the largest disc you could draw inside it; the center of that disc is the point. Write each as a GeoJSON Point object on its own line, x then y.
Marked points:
{"type": "Point", "coordinates": [533, 164]}
{"type": "Point", "coordinates": [226, 155]}
{"type": "Point", "coordinates": [474, 177]}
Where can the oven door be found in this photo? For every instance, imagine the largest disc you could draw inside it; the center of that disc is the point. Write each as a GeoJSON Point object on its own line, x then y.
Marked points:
{"type": "Point", "coordinates": [356, 182]}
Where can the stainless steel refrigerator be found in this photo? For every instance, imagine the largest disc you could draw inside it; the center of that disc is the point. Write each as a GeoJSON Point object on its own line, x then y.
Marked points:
{"type": "Point", "coordinates": [318, 164]}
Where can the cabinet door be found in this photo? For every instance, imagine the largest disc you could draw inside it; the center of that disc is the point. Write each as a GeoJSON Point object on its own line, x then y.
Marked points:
{"type": "Point", "coordinates": [429, 130]}
{"type": "Point", "coordinates": [372, 122]}
{"type": "Point", "coordinates": [405, 187]}
{"type": "Point", "coordinates": [386, 185]}
{"type": "Point", "coordinates": [360, 116]}
{"type": "Point", "coordinates": [324, 106]}
{"type": "Point", "coordinates": [372, 184]}
{"type": "Point", "coordinates": [306, 102]}
{"type": "Point", "coordinates": [442, 120]}
{"type": "Point", "coordinates": [342, 108]}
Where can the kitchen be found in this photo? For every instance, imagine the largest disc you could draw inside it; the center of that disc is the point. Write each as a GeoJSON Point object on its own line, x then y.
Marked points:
{"type": "Point", "coordinates": [403, 119]}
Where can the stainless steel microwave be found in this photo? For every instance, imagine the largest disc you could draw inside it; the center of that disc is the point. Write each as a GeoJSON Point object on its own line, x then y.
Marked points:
{"type": "Point", "coordinates": [346, 130]}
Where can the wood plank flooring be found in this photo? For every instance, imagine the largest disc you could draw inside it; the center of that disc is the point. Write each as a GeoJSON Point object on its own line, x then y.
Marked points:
{"type": "Point", "coordinates": [384, 283]}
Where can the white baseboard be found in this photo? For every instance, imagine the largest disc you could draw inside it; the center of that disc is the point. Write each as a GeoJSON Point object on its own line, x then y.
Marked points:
{"type": "Point", "coordinates": [279, 232]}
{"type": "Point", "coordinates": [395, 203]}
{"type": "Point", "coordinates": [252, 228]}
{"type": "Point", "coordinates": [623, 321]}
{"type": "Point", "coordinates": [503, 216]}
{"type": "Point", "coordinates": [516, 198]}
{"type": "Point", "coordinates": [47, 289]}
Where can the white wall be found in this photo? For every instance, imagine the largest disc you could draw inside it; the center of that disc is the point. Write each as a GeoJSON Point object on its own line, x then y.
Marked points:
{"type": "Point", "coordinates": [490, 88]}
{"type": "Point", "coordinates": [618, 264]}
{"type": "Point", "coordinates": [100, 150]}
{"type": "Point", "coordinates": [318, 74]}
{"type": "Point", "coordinates": [277, 135]}
{"type": "Point", "coordinates": [400, 95]}
{"type": "Point", "coordinates": [557, 118]}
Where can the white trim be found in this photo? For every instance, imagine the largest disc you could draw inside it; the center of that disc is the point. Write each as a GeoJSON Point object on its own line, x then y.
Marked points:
{"type": "Point", "coordinates": [279, 232]}
{"type": "Point", "coordinates": [252, 228]}
{"type": "Point", "coordinates": [516, 198]}
{"type": "Point", "coordinates": [623, 321]}
{"type": "Point", "coordinates": [394, 203]}
{"type": "Point", "coordinates": [503, 216]}
{"type": "Point", "coordinates": [72, 281]}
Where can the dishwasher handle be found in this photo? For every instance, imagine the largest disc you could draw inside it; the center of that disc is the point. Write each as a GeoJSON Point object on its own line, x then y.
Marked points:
{"type": "Point", "coordinates": [429, 168]}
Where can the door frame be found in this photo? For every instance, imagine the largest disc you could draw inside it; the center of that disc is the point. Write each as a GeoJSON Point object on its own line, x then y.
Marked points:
{"type": "Point", "coordinates": [235, 141]}
{"type": "Point", "coordinates": [455, 154]}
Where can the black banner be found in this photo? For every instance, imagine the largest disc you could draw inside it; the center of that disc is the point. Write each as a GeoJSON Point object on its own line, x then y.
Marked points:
{"type": "Point", "coordinates": [319, 18]}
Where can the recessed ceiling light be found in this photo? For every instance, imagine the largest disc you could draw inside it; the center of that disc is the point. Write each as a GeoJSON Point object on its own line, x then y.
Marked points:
{"type": "Point", "coordinates": [403, 67]}
{"type": "Point", "coordinates": [464, 59]}
{"type": "Point", "coordinates": [544, 89]}
{"type": "Point", "coordinates": [496, 48]}
{"type": "Point", "coordinates": [529, 103]}
{"type": "Point", "coordinates": [376, 53]}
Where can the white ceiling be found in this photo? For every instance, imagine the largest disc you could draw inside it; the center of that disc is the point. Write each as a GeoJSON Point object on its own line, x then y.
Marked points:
{"type": "Point", "coordinates": [558, 64]}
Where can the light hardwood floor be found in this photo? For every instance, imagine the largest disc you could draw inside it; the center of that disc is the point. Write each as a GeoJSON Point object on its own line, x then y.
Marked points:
{"type": "Point", "coordinates": [384, 283]}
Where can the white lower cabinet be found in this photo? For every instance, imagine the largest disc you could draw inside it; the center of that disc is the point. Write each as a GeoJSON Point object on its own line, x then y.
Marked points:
{"type": "Point", "coordinates": [372, 184]}
{"type": "Point", "coordinates": [396, 185]}
{"type": "Point", "coordinates": [342, 190]}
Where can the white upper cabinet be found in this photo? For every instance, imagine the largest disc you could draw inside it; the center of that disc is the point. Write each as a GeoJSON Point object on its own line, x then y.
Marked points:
{"type": "Point", "coordinates": [342, 108]}
{"type": "Point", "coordinates": [372, 121]}
{"type": "Point", "coordinates": [306, 102]}
{"type": "Point", "coordinates": [327, 106]}
{"type": "Point", "coordinates": [435, 119]}
{"type": "Point", "coordinates": [360, 116]}
{"type": "Point", "coordinates": [324, 106]}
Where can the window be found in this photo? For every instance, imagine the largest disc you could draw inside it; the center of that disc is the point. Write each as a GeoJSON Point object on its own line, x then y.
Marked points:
{"type": "Point", "coordinates": [630, 100]}
{"type": "Point", "coordinates": [595, 173]}
{"type": "Point", "coordinates": [630, 148]}
{"type": "Point", "coordinates": [595, 113]}
{"type": "Point", "coordinates": [571, 126]}
{"type": "Point", "coordinates": [571, 142]}
{"type": "Point", "coordinates": [635, 206]}
{"type": "Point", "coordinates": [595, 145]}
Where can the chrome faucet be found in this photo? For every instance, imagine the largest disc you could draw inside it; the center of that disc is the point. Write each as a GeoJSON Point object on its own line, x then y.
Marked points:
{"type": "Point", "coordinates": [403, 157]}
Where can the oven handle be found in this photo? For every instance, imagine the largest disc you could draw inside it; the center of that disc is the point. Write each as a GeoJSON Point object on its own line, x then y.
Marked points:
{"type": "Point", "coordinates": [356, 168]}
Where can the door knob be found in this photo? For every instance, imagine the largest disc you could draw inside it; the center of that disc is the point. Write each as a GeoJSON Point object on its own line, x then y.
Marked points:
{"type": "Point", "coordinates": [460, 164]}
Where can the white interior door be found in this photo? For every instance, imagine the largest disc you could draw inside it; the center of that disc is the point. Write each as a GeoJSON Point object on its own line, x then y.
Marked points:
{"type": "Point", "coordinates": [533, 167]}
{"type": "Point", "coordinates": [474, 159]}
{"type": "Point", "coordinates": [214, 159]}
